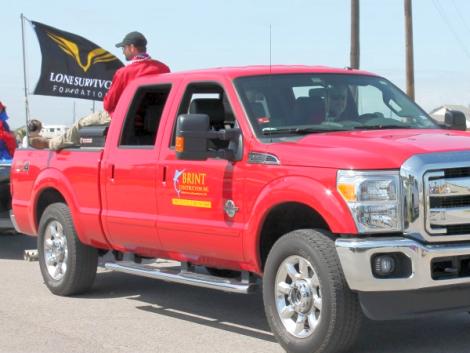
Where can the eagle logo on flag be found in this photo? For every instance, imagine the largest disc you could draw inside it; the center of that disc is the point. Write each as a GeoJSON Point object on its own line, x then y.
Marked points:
{"type": "Point", "coordinates": [70, 48]}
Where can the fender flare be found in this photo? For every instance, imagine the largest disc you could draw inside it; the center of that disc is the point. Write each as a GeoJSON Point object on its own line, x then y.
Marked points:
{"type": "Point", "coordinates": [324, 200]}
{"type": "Point", "coordinates": [52, 178]}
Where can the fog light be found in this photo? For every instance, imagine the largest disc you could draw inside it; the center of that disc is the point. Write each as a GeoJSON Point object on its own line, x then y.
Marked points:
{"type": "Point", "coordinates": [384, 265]}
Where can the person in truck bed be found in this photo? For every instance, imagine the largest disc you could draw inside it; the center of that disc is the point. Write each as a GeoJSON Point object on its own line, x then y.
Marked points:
{"type": "Point", "coordinates": [33, 129]}
{"type": "Point", "coordinates": [134, 48]}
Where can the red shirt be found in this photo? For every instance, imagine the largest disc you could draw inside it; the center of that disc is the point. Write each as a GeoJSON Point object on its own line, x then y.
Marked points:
{"type": "Point", "coordinates": [128, 73]}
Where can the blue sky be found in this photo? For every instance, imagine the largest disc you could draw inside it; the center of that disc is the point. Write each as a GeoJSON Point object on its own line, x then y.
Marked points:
{"type": "Point", "coordinates": [211, 33]}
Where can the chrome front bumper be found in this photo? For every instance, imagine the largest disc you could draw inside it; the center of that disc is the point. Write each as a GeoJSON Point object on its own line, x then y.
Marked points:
{"type": "Point", "coordinates": [355, 256]}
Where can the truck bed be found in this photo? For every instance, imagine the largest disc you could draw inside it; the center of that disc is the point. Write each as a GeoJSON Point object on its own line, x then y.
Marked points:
{"type": "Point", "coordinates": [77, 169]}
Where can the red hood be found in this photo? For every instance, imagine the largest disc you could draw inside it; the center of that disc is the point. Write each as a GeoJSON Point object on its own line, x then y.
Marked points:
{"type": "Point", "coordinates": [378, 149]}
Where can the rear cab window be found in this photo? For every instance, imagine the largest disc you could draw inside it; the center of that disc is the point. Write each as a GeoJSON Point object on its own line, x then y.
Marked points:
{"type": "Point", "coordinates": [143, 118]}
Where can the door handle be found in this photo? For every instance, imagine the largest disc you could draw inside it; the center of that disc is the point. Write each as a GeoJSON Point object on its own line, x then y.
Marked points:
{"type": "Point", "coordinates": [111, 172]}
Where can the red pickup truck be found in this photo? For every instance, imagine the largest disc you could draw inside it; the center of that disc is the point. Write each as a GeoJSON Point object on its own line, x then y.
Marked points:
{"type": "Point", "coordinates": [327, 186]}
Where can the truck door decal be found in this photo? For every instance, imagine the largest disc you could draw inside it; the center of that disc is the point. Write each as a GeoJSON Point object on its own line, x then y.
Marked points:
{"type": "Point", "coordinates": [176, 178]}
{"type": "Point", "coordinates": [191, 203]}
{"type": "Point", "coordinates": [190, 183]}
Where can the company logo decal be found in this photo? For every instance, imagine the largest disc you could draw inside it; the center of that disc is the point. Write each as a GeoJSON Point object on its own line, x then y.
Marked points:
{"type": "Point", "coordinates": [190, 183]}
{"type": "Point", "coordinates": [176, 181]}
{"type": "Point", "coordinates": [191, 203]}
{"type": "Point", "coordinates": [70, 48]}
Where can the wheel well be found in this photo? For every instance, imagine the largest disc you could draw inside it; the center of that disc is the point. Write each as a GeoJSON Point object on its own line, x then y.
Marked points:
{"type": "Point", "coordinates": [48, 196]}
{"type": "Point", "coordinates": [286, 218]}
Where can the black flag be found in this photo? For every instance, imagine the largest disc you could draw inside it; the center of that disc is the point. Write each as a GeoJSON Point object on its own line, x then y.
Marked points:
{"type": "Point", "coordinates": [72, 66]}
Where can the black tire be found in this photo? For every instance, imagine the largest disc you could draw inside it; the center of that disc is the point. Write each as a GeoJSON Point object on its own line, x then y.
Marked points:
{"type": "Point", "coordinates": [81, 261]}
{"type": "Point", "coordinates": [340, 317]}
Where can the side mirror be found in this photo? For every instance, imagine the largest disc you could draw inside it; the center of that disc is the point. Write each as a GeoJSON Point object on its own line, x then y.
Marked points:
{"type": "Point", "coordinates": [455, 120]}
{"type": "Point", "coordinates": [191, 137]}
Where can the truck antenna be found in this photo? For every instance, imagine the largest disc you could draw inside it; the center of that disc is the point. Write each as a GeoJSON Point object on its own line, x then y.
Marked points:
{"type": "Point", "coordinates": [270, 48]}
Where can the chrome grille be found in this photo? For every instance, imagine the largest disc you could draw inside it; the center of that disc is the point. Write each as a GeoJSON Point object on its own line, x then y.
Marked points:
{"type": "Point", "coordinates": [447, 201]}
{"type": "Point", "coordinates": [436, 196]}
{"type": "Point", "coordinates": [457, 172]}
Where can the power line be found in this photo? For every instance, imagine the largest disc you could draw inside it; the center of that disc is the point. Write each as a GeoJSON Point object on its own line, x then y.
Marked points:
{"type": "Point", "coordinates": [444, 17]}
{"type": "Point", "coordinates": [460, 15]}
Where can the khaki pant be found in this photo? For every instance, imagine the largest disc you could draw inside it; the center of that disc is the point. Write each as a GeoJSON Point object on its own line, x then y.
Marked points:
{"type": "Point", "coordinates": [71, 137]}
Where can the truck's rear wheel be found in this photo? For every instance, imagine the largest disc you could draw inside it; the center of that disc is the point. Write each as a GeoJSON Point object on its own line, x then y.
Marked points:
{"type": "Point", "coordinates": [67, 266]}
{"type": "Point", "coordinates": [308, 303]}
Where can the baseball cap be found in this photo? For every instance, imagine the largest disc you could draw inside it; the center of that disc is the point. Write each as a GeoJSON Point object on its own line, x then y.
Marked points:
{"type": "Point", "coordinates": [135, 38]}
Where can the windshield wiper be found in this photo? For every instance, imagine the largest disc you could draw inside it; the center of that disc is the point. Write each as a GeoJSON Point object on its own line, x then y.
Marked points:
{"type": "Point", "coordinates": [295, 131]}
{"type": "Point", "coordinates": [381, 127]}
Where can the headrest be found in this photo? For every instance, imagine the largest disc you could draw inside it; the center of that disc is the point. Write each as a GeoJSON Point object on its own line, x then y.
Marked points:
{"type": "Point", "coordinates": [304, 102]}
{"type": "Point", "coordinates": [212, 107]}
{"type": "Point", "coordinates": [317, 92]}
{"type": "Point", "coordinates": [311, 100]}
{"type": "Point", "coordinates": [308, 110]}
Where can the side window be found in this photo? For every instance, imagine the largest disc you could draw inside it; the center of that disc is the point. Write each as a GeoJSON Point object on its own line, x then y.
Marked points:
{"type": "Point", "coordinates": [143, 118]}
{"type": "Point", "coordinates": [210, 99]}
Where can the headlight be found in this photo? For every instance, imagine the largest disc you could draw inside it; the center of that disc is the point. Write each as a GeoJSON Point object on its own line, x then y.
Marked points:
{"type": "Point", "coordinates": [373, 198]}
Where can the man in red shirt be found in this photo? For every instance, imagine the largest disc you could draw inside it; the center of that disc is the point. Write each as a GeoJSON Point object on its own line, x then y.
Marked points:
{"type": "Point", "coordinates": [134, 48]}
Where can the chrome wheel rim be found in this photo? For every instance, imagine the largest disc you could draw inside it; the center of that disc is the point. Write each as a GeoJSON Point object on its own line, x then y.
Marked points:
{"type": "Point", "coordinates": [55, 250]}
{"type": "Point", "coordinates": [298, 296]}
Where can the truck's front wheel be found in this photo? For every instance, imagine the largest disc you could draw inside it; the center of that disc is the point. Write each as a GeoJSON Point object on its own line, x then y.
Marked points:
{"type": "Point", "coordinates": [307, 301]}
{"type": "Point", "coordinates": [67, 266]}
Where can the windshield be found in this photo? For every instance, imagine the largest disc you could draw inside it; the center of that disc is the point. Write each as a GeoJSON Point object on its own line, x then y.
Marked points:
{"type": "Point", "coordinates": [295, 104]}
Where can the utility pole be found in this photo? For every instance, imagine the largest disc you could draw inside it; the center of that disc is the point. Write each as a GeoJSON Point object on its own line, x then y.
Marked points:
{"type": "Point", "coordinates": [355, 48]}
{"type": "Point", "coordinates": [410, 81]}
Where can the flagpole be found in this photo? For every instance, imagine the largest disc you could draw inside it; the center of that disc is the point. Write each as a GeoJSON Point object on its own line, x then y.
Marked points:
{"type": "Point", "coordinates": [26, 101]}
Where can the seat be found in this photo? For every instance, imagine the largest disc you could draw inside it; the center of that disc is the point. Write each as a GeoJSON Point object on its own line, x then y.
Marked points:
{"type": "Point", "coordinates": [152, 118]}
{"type": "Point", "coordinates": [214, 108]}
{"type": "Point", "coordinates": [309, 110]}
{"type": "Point", "coordinates": [150, 124]}
{"type": "Point", "coordinates": [229, 116]}
{"type": "Point", "coordinates": [317, 92]}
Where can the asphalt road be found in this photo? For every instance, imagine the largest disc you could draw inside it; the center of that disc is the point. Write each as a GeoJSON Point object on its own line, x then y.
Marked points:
{"type": "Point", "coordinates": [124, 313]}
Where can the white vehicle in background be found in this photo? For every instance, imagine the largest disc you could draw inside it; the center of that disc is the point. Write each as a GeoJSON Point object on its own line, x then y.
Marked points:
{"type": "Point", "coordinates": [53, 130]}
{"type": "Point", "coordinates": [47, 131]}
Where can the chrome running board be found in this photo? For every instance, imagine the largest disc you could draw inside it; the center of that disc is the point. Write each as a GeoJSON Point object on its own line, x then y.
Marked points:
{"type": "Point", "coordinates": [246, 285]}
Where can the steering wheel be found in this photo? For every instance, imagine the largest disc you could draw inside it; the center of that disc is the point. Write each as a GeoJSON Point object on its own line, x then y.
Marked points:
{"type": "Point", "coordinates": [368, 116]}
